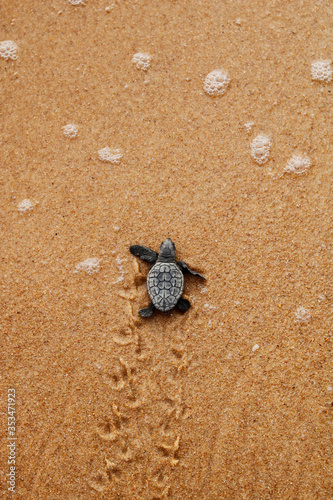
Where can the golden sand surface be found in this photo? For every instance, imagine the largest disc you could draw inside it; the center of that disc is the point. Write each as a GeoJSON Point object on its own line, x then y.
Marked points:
{"type": "Point", "coordinates": [232, 399]}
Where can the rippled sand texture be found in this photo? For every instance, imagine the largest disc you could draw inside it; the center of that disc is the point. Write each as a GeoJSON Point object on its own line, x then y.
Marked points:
{"type": "Point", "coordinates": [110, 136]}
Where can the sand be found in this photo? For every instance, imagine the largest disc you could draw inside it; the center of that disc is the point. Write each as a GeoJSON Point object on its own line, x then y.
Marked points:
{"type": "Point", "coordinates": [233, 399]}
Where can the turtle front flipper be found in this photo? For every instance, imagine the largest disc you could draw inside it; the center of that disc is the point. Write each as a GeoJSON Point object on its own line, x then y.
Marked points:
{"type": "Point", "coordinates": [145, 313]}
{"type": "Point", "coordinates": [144, 253]}
{"type": "Point", "coordinates": [184, 267]}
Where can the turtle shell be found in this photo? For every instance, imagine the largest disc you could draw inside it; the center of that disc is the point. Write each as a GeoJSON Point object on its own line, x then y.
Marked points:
{"type": "Point", "coordinates": [165, 285]}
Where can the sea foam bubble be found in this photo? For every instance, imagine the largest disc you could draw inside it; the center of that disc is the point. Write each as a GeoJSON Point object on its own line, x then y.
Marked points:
{"type": "Point", "coordinates": [8, 50]}
{"type": "Point", "coordinates": [90, 266]}
{"type": "Point", "coordinates": [25, 205]}
{"type": "Point", "coordinates": [298, 164]}
{"type": "Point", "coordinates": [216, 82]}
{"type": "Point", "coordinates": [260, 148]}
{"type": "Point", "coordinates": [110, 155]}
{"type": "Point", "coordinates": [141, 60]}
{"type": "Point", "coordinates": [70, 130]}
{"type": "Point", "coordinates": [302, 315]}
{"type": "Point", "coordinates": [321, 70]}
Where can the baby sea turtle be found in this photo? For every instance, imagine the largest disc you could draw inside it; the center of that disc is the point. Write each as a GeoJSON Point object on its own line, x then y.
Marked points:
{"type": "Point", "coordinates": [165, 280]}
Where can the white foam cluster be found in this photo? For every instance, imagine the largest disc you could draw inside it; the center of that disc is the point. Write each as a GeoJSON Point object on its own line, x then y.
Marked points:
{"type": "Point", "coordinates": [110, 155]}
{"type": "Point", "coordinates": [216, 82]}
{"type": "Point", "coordinates": [322, 70]}
{"type": "Point", "coordinates": [90, 266]}
{"type": "Point", "coordinates": [141, 60]}
{"type": "Point", "coordinates": [248, 126]}
{"type": "Point", "coordinates": [298, 164]}
{"type": "Point", "coordinates": [8, 50]}
{"type": "Point", "coordinates": [70, 130]}
{"type": "Point", "coordinates": [76, 2]}
{"type": "Point", "coordinates": [260, 148]}
{"type": "Point", "coordinates": [25, 205]}
{"type": "Point", "coordinates": [207, 308]}
{"type": "Point", "coordinates": [121, 270]}
{"type": "Point", "coordinates": [302, 315]}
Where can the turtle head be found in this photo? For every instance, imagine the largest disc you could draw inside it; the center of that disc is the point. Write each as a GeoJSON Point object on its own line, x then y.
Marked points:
{"type": "Point", "coordinates": [167, 251]}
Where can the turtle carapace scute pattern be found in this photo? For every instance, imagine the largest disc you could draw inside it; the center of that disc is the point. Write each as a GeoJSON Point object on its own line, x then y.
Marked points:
{"type": "Point", "coordinates": [165, 284]}
{"type": "Point", "coordinates": [165, 280]}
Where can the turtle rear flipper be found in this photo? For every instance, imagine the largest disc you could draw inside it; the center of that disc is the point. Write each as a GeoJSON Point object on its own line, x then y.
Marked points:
{"type": "Point", "coordinates": [184, 267]}
{"type": "Point", "coordinates": [145, 313]}
{"type": "Point", "coordinates": [183, 304]}
{"type": "Point", "coordinates": [144, 253]}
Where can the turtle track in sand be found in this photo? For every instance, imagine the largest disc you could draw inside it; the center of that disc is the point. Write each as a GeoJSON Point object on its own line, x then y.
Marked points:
{"type": "Point", "coordinates": [141, 435]}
